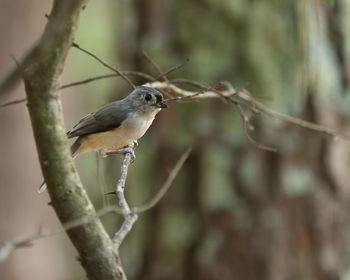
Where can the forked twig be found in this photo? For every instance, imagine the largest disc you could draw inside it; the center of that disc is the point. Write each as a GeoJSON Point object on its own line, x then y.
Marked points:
{"type": "Point", "coordinates": [152, 62]}
{"type": "Point", "coordinates": [105, 64]}
{"type": "Point", "coordinates": [244, 96]}
{"type": "Point", "coordinates": [172, 69]}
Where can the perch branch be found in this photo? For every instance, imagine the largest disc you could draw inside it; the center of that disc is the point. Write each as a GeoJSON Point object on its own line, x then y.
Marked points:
{"type": "Point", "coordinates": [129, 217]}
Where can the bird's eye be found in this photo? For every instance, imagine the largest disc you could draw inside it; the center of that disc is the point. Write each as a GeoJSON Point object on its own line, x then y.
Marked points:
{"type": "Point", "coordinates": [148, 97]}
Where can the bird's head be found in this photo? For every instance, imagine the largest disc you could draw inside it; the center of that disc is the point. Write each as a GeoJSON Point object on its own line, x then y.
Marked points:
{"type": "Point", "coordinates": [147, 99]}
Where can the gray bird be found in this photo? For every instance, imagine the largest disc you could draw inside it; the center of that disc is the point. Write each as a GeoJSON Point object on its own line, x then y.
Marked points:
{"type": "Point", "coordinates": [117, 124]}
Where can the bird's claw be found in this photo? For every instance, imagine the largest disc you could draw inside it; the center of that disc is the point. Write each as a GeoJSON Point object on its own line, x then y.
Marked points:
{"type": "Point", "coordinates": [103, 153]}
{"type": "Point", "coordinates": [129, 150]}
{"type": "Point", "coordinates": [109, 193]}
{"type": "Point", "coordinates": [122, 151]}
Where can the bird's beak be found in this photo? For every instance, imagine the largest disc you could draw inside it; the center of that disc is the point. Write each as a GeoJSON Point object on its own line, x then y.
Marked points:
{"type": "Point", "coordinates": [161, 104]}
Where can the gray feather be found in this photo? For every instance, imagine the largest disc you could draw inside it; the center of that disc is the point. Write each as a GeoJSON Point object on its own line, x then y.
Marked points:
{"type": "Point", "coordinates": [106, 118]}
{"type": "Point", "coordinates": [112, 115]}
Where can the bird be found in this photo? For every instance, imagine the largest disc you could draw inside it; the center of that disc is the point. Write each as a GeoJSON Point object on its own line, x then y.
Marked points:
{"type": "Point", "coordinates": [115, 126]}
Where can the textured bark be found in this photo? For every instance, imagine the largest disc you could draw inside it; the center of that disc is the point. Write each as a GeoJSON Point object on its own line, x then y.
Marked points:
{"type": "Point", "coordinates": [97, 254]}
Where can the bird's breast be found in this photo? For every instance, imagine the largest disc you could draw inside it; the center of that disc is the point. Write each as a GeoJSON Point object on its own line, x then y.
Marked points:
{"type": "Point", "coordinates": [137, 124]}
{"type": "Point", "coordinates": [133, 128]}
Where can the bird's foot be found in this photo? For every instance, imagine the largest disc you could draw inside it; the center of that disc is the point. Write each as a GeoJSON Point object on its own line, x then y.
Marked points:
{"type": "Point", "coordinates": [103, 153]}
{"type": "Point", "coordinates": [136, 144]}
{"type": "Point", "coordinates": [122, 151]}
{"type": "Point", "coordinates": [109, 193]}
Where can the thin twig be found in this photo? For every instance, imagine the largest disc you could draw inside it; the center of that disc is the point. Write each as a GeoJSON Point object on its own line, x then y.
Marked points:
{"type": "Point", "coordinates": [180, 98]}
{"type": "Point", "coordinates": [152, 62]}
{"type": "Point", "coordinates": [172, 69]}
{"type": "Point", "coordinates": [16, 74]}
{"type": "Point", "coordinates": [105, 64]}
{"type": "Point", "coordinates": [244, 96]}
{"type": "Point", "coordinates": [129, 217]}
{"type": "Point", "coordinates": [246, 125]}
{"type": "Point", "coordinates": [246, 121]}
{"type": "Point", "coordinates": [89, 80]}
{"type": "Point", "coordinates": [125, 73]}
{"type": "Point", "coordinates": [162, 191]}
{"type": "Point", "coordinates": [188, 82]}
{"type": "Point", "coordinates": [13, 102]}
{"type": "Point", "coordinates": [10, 245]}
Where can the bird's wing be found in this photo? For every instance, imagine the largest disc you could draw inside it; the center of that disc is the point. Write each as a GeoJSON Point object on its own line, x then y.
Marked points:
{"type": "Point", "coordinates": [106, 118]}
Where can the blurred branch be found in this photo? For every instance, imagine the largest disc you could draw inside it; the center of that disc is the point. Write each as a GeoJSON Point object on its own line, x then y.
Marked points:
{"type": "Point", "coordinates": [24, 241]}
{"type": "Point", "coordinates": [162, 191]}
{"type": "Point", "coordinates": [89, 80]}
{"type": "Point", "coordinates": [12, 78]}
{"type": "Point", "coordinates": [172, 69]}
{"type": "Point", "coordinates": [247, 126]}
{"type": "Point", "coordinates": [243, 97]}
{"type": "Point", "coordinates": [13, 102]}
{"type": "Point", "coordinates": [154, 64]}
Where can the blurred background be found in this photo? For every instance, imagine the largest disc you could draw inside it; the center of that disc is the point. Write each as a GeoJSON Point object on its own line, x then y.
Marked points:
{"type": "Point", "coordinates": [234, 212]}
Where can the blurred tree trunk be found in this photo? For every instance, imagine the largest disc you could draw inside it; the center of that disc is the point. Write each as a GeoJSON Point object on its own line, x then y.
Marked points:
{"type": "Point", "coordinates": [239, 212]}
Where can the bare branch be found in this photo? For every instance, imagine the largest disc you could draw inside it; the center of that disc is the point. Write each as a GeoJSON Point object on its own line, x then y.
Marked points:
{"type": "Point", "coordinates": [189, 82]}
{"type": "Point", "coordinates": [15, 75]}
{"type": "Point", "coordinates": [129, 217]}
{"type": "Point", "coordinates": [10, 80]}
{"type": "Point", "coordinates": [89, 80]}
{"type": "Point", "coordinates": [244, 96]}
{"type": "Point", "coordinates": [246, 125]}
{"type": "Point", "coordinates": [125, 73]}
{"type": "Point", "coordinates": [152, 62]}
{"type": "Point", "coordinates": [13, 102]}
{"type": "Point", "coordinates": [10, 245]}
{"type": "Point", "coordinates": [105, 64]}
{"type": "Point", "coordinates": [163, 190]}
{"type": "Point", "coordinates": [172, 69]}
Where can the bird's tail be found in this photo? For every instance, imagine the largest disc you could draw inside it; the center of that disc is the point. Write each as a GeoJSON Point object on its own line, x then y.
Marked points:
{"type": "Point", "coordinates": [42, 187]}
{"type": "Point", "coordinates": [74, 152]}
{"type": "Point", "coordinates": [74, 149]}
